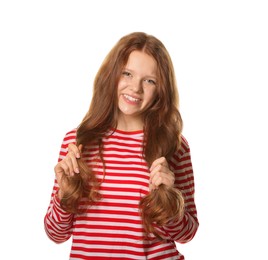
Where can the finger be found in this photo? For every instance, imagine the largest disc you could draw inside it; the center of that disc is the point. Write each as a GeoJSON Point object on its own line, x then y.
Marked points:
{"type": "Point", "coordinates": [162, 176]}
{"type": "Point", "coordinates": [152, 187]}
{"type": "Point", "coordinates": [80, 147]}
{"type": "Point", "coordinates": [76, 150]}
{"type": "Point", "coordinates": [60, 169]}
{"type": "Point", "coordinates": [163, 180]}
{"type": "Point", "coordinates": [157, 181]}
{"type": "Point", "coordinates": [71, 161]}
{"type": "Point", "coordinates": [159, 169]}
{"type": "Point", "coordinates": [69, 164]}
{"type": "Point", "coordinates": [161, 160]}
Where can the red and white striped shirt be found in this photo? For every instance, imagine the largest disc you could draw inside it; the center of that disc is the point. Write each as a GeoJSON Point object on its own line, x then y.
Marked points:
{"type": "Point", "coordinates": [111, 228]}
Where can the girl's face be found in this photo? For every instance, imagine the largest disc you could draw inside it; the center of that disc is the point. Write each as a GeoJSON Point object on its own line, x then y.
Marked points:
{"type": "Point", "coordinates": [137, 86]}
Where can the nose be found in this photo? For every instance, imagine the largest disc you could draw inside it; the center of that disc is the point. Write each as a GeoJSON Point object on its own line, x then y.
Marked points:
{"type": "Point", "coordinates": [137, 86]}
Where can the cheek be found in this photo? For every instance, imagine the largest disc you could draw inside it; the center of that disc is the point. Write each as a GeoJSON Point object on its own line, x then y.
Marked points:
{"type": "Point", "coordinates": [151, 95]}
{"type": "Point", "coordinates": [121, 85]}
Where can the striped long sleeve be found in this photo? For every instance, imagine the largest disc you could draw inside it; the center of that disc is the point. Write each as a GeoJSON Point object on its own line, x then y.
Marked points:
{"type": "Point", "coordinates": [59, 223]}
{"type": "Point", "coordinates": [184, 230]}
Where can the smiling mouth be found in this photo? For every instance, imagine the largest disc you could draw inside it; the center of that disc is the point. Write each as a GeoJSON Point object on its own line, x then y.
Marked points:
{"type": "Point", "coordinates": [131, 99]}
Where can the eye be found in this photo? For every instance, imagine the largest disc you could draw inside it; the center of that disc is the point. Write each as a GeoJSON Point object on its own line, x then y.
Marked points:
{"type": "Point", "coordinates": [150, 81]}
{"type": "Point", "coordinates": [126, 73]}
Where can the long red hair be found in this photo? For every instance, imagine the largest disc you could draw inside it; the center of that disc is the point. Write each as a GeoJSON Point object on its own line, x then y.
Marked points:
{"type": "Point", "coordinates": [162, 120]}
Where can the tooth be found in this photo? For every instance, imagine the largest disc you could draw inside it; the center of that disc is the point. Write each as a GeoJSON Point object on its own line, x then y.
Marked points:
{"type": "Point", "coordinates": [131, 98]}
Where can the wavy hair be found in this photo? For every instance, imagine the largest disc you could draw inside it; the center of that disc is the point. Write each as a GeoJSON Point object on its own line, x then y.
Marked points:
{"type": "Point", "coordinates": [162, 120]}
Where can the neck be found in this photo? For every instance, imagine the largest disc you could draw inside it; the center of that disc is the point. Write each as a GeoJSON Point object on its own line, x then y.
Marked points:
{"type": "Point", "coordinates": [128, 123]}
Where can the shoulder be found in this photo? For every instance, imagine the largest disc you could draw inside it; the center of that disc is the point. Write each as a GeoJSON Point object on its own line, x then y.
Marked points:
{"type": "Point", "coordinates": [70, 137]}
{"type": "Point", "coordinates": [181, 159]}
{"type": "Point", "coordinates": [184, 146]}
{"type": "Point", "coordinates": [183, 151]}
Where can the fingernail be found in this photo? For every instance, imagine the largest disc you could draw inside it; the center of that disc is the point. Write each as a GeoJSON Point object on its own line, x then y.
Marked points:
{"type": "Point", "coordinates": [76, 170]}
{"type": "Point", "coordinates": [77, 155]}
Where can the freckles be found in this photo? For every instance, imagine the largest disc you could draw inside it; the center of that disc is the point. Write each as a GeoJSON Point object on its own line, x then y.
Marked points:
{"type": "Point", "coordinates": [122, 106]}
{"type": "Point", "coordinates": [125, 108]}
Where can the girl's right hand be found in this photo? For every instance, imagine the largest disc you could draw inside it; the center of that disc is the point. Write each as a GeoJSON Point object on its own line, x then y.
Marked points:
{"type": "Point", "coordinates": [67, 166]}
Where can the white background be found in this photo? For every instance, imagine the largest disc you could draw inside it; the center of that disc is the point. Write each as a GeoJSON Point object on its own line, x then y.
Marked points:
{"type": "Point", "coordinates": [49, 54]}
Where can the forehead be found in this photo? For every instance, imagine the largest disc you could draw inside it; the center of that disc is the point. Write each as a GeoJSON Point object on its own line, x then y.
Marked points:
{"type": "Point", "coordinates": [141, 61]}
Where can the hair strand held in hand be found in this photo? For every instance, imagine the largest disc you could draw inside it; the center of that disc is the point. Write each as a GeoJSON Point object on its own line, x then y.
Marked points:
{"type": "Point", "coordinates": [161, 206]}
{"type": "Point", "coordinates": [80, 186]}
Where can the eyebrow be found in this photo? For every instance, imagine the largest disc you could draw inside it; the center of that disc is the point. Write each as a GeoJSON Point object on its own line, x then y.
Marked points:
{"type": "Point", "coordinates": [149, 76]}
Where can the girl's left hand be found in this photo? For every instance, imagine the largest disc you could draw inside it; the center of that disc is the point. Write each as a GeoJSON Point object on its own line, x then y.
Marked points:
{"type": "Point", "coordinates": [161, 174]}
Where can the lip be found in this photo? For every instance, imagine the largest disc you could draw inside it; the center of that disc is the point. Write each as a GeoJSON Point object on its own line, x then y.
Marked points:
{"type": "Point", "coordinates": [131, 99]}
